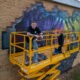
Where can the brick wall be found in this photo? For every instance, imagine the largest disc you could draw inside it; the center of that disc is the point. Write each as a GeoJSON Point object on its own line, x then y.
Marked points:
{"type": "Point", "coordinates": [12, 9]}
{"type": "Point", "coordinates": [9, 11]}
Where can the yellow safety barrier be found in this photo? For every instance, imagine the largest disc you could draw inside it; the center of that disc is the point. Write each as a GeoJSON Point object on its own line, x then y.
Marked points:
{"type": "Point", "coordinates": [45, 69]}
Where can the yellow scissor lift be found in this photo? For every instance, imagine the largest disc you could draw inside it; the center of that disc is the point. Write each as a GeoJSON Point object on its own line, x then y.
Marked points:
{"type": "Point", "coordinates": [45, 69]}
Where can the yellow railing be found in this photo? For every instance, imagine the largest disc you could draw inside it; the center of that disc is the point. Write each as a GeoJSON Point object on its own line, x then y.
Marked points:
{"type": "Point", "coordinates": [49, 38]}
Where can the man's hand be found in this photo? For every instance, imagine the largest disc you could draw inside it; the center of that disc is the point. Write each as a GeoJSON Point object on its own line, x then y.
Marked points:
{"type": "Point", "coordinates": [37, 36]}
{"type": "Point", "coordinates": [41, 36]}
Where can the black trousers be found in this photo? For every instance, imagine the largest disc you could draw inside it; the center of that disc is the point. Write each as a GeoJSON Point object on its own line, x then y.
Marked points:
{"type": "Point", "coordinates": [60, 48]}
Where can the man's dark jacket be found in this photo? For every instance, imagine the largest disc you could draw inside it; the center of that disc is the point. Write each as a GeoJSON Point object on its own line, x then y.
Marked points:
{"type": "Point", "coordinates": [61, 39]}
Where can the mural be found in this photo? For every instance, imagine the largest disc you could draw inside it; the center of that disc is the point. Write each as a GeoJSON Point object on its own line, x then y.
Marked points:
{"type": "Point", "coordinates": [48, 20]}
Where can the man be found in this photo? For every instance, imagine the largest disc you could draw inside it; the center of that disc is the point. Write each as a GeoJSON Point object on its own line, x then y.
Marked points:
{"type": "Point", "coordinates": [33, 30]}
{"type": "Point", "coordinates": [60, 41]}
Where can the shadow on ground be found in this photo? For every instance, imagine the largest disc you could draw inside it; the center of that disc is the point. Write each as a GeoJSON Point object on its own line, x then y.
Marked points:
{"type": "Point", "coordinates": [73, 74]}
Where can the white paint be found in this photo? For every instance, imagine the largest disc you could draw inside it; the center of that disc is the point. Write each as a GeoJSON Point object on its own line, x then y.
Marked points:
{"type": "Point", "coordinates": [74, 3]}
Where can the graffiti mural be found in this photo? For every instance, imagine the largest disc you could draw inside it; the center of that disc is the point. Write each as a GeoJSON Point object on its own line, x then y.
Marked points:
{"type": "Point", "coordinates": [46, 20]}
{"type": "Point", "coordinates": [49, 20]}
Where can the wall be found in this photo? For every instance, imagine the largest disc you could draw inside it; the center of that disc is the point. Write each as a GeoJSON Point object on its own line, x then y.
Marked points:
{"type": "Point", "coordinates": [9, 11]}
{"type": "Point", "coordinates": [74, 3]}
{"type": "Point", "coordinates": [53, 19]}
{"type": "Point", "coordinates": [49, 20]}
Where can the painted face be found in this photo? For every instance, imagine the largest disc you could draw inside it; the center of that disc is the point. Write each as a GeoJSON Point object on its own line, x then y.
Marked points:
{"type": "Point", "coordinates": [34, 25]}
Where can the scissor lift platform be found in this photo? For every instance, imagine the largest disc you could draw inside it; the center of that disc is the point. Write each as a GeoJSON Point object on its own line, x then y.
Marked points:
{"type": "Point", "coordinates": [45, 69]}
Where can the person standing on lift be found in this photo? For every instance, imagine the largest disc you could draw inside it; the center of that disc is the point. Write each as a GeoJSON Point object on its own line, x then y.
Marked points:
{"type": "Point", "coordinates": [60, 41]}
{"type": "Point", "coordinates": [33, 30]}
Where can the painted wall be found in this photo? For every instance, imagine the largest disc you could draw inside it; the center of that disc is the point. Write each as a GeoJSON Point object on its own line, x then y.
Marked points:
{"type": "Point", "coordinates": [46, 20]}
{"type": "Point", "coordinates": [49, 20]}
{"type": "Point", "coordinates": [9, 11]}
